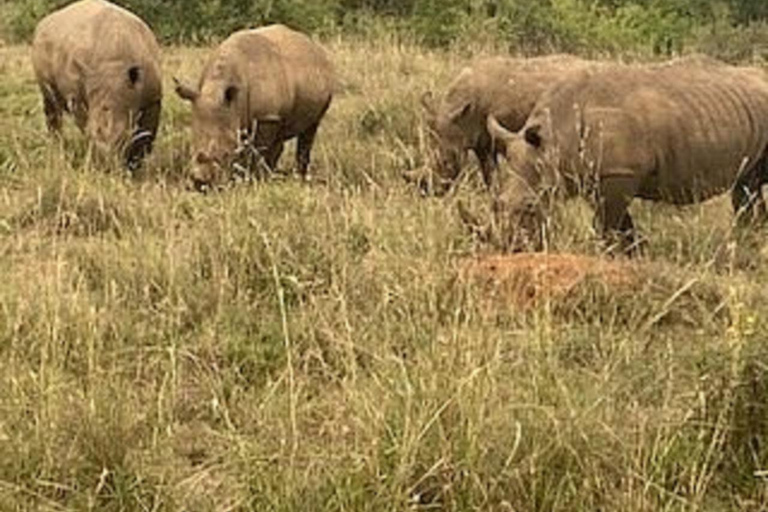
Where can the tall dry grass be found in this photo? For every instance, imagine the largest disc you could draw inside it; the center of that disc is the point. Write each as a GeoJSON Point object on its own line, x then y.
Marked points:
{"type": "Point", "coordinates": [284, 346]}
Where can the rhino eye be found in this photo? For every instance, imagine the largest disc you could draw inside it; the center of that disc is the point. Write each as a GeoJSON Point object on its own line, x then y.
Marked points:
{"type": "Point", "coordinates": [230, 94]}
{"type": "Point", "coordinates": [533, 137]}
{"type": "Point", "coordinates": [134, 73]}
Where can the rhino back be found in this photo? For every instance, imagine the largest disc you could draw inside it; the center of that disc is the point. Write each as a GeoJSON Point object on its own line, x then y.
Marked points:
{"type": "Point", "coordinates": [288, 75]}
{"type": "Point", "coordinates": [708, 126]}
{"type": "Point", "coordinates": [507, 88]}
{"type": "Point", "coordinates": [89, 34]}
{"type": "Point", "coordinates": [697, 124]}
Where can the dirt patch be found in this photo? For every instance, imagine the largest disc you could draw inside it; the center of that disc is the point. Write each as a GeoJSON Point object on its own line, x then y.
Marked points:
{"type": "Point", "coordinates": [524, 279]}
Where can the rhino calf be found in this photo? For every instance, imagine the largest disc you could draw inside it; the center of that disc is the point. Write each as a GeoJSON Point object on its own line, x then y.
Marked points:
{"type": "Point", "coordinates": [680, 133]}
{"type": "Point", "coordinates": [100, 63]}
{"type": "Point", "coordinates": [506, 88]}
{"type": "Point", "coordinates": [268, 85]}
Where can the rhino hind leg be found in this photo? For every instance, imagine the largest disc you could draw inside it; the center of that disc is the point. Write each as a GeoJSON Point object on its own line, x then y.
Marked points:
{"type": "Point", "coordinates": [306, 140]}
{"type": "Point", "coordinates": [612, 215]}
{"type": "Point", "coordinates": [747, 195]}
{"type": "Point", "coordinates": [304, 148]}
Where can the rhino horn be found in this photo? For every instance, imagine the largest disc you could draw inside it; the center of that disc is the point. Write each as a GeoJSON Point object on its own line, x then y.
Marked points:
{"type": "Point", "coordinates": [497, 131]}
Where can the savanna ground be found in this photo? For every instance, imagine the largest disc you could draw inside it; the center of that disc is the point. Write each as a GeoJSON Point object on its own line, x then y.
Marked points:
{"type": "Point", "coordinates": [291, 346]}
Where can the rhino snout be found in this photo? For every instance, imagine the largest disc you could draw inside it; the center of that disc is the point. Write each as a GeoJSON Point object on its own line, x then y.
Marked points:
{"type": "Point", "coordinates": [204, 171]}
{"type": "Point", "coordinates": [204, 159]}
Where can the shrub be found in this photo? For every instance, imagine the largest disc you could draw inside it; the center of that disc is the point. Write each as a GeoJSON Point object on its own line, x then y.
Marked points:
{"type": "Point", "coordinates": [195, 20]}
{"type": "Point", "coordinates": [650, 27]}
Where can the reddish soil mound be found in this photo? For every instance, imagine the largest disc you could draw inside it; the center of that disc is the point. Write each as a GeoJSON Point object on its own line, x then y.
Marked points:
{"type": "Point", "coordinates": [524, 278]}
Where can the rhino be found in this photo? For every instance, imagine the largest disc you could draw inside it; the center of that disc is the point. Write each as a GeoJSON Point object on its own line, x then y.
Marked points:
{"type": "Point", "coordinates": [506, 88]}
{"type": "Point", "coordinates": [258, 89]}
{"type": "Point", "coordinates": [101, 64]}
{"type": "Point", "coordinates": [678, 133]}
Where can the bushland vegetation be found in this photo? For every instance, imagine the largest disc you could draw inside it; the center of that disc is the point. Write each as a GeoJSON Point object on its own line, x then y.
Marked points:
{"type": "Point", "coordinates": [732, 29]}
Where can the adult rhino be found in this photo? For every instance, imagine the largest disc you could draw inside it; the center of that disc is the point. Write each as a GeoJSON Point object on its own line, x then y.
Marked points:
{"type": "Point", "coordinates": [678, 133]}
{"type": "Point", "coordinates": [506, 88]}
{"type": "Point", "coordinates": [266, 85]}
{"type": "Point", "coordinates": [100, 63]}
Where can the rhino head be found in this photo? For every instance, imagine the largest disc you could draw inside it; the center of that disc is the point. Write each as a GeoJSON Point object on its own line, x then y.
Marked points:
{"type": "Point", "coordinates": [218, 105]}
{"type": "Point", "coordinates": [453, 130]}
{"type": "Point", "coordinates": [524, 151]}
{"type": "Point", "coordinates": [123, 110]}
{"type": "Point", "coordinates": [522, 192]}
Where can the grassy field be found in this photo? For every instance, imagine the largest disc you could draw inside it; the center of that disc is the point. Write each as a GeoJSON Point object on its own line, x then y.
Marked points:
{"type": "Point", "coordinates": [290, 346]}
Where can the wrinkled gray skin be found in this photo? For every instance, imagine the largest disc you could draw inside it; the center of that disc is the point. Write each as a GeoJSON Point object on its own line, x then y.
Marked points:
{"type": "Point", "coordinates": [678, 133]}
{"type": "Point", "coordinates": [268, 85]}
{"type": "Point", "coordinates": [100, 63]}
{"type": "Point", "coordinates": [506, 88]}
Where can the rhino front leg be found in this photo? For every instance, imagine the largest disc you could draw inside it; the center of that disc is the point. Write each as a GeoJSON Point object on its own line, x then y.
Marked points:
{"type": "Point", "coordinates": [747, 195]}
{"type": "Point", "coordinates": [272, 154]}
{"type": "Point", "coordinates": [269, 143]}
{"type": "Point", "coordinates": [488, 161]}
{"type": "Point", "coordinates": [143, 138]}
{"type": "Point", "coordinates": [53, 109]}
{"type": "Point", "coordinates": [614, 197]}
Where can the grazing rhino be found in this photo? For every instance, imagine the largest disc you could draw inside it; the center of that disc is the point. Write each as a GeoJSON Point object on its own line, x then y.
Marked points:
{"type": "Point", "coordinates": [269, 84]}
{"type": "Point", "coordinates": [101, 64]}
{"type": "Point", "coordinates": [678, 133]}
{"type": "Point", "coordinates": [506, 88]}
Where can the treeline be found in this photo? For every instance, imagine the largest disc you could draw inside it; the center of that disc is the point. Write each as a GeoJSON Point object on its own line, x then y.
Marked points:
{"type": "Point", "coordinates": [731, 29]}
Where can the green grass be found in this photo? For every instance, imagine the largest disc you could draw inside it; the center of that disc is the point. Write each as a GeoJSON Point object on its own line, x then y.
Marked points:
{"type": "Point", "coordinates": [284, 346]}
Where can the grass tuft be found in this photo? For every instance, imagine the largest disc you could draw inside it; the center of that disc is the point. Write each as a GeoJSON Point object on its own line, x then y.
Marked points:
{"type": "Point", "coordinates": [345, 343]}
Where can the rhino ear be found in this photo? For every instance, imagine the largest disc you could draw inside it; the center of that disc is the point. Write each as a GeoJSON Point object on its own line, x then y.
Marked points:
{"type": "Point", "coordinates": [134, 75]}
{"type": "Point", "coordinates": [184, 91]}
{"type": "Point", "coordinates": [532, 135]}
{"type": "Point", "coordinates": [460, 112]}
{"type": "Point", "coordinates": [428, 103]}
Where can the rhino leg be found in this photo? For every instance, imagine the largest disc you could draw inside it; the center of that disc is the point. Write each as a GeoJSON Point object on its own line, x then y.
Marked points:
{"type": "Point", "coordinates": [143, 138]}
{"type": "Point", "coordinates": [615, 195]}
{"type": "Point", "coordinates": [53, 108]}
{"type": "Point", "coordinates": [488, 161]}
{"type": "Point", "coordinates": [269, 142]}
{"type": "Point", "coordinates": [272, 155]}
{"type": "Point", "coordinates": [747, 195]}
{"type": "Point", "coordinates": [304, 149]}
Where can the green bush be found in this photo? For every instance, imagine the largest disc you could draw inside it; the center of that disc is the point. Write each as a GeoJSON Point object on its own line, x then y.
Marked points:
{"type": "Point", "coordinates": [734, 44]}
{"type": "Point", "coordinates": [196, 20]}
{"type": "Point", "coordinates": [645, 27]}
